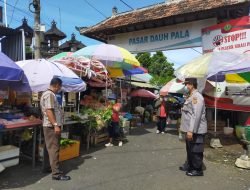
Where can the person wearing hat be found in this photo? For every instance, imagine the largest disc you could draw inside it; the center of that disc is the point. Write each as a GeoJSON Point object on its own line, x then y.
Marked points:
{"type": "Point", "coordinates": [194, 125]}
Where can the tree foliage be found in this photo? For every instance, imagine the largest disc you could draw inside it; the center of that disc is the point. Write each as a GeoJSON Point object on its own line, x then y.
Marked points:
{"type": "Point", "coordinates": [158, 66]}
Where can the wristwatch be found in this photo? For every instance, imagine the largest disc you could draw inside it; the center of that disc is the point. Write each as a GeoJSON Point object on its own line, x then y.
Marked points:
{"type": "Point", "coordinates": [55, 124]}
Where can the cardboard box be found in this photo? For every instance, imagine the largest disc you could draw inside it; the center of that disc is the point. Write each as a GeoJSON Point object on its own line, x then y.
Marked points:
{"type": "Point", "coordinates": [219, 125]}
{"type": "Point", "coordinates": [69, 152]}
{"type": "Point", "coordinates": [9, 155]}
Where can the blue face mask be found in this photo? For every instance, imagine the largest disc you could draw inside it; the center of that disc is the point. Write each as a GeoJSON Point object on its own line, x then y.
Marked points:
{"type": "Point", "coordinates": [186, 90]}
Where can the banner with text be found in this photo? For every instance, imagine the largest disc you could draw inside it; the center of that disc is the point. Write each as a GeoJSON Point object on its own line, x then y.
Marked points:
{"type": "Point", "coordinates": [162, 38]}
{"type": "Point", "coordinates": [233, 35]}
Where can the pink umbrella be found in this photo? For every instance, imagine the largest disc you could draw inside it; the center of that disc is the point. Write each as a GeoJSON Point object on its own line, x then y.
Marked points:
{"type": "Point", "coordinates": [143, 93]}
{"type": "Point", "coordinates": [173, 86]}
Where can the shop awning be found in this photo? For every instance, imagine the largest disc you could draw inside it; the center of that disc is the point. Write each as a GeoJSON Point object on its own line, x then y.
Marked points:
{"type": "Point", "coordinates": [224, 104]}
{"type": "Point", "coordinates": [142, 77]}
{"type": "Point", "coordinates": [143, 85]}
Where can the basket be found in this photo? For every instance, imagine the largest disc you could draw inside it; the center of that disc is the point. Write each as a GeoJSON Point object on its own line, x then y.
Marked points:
{"type": "Point", "coordinates": [228, 130]}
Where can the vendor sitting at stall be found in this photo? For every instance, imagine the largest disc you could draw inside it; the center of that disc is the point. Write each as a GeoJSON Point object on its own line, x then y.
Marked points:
{"type": "Point", "coordinates": [140, 110]}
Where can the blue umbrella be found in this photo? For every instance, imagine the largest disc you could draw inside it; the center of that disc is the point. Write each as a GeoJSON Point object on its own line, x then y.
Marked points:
{"type": "Point", "coordinates": [72, 84]}
{"type": "Point", "coordinates": [133, 72]}
{"type": "Point", "coordinates": [9, 70]}
{"type": "Point", "coordinates": [11, 75]}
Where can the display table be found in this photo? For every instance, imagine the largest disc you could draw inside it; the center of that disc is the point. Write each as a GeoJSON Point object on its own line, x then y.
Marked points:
{"type": "Point", "coordinates": [34, 124]}
{"type": "Point", "coordinates": [27, 123]}
{"type": "Point", "coordinates": [83, 122]}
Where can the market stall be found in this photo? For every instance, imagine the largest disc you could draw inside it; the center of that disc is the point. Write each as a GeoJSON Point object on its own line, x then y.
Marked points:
{"type": "Point", "coordinates": [11, 118]}
{"type": "Point", "coordinates": [214, 66]}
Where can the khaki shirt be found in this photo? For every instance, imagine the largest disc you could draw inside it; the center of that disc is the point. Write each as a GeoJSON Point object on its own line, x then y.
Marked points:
{"type": "Point", "coordinates": [49, 101]}
{"type": "Point", "coordinates": [193, 118]}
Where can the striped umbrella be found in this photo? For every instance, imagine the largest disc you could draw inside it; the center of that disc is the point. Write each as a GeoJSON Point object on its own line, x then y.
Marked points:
{"type": "Point", "coordinates": [215, 63]}
{"type": "Point", "coordinates": [110, 55]}
{"type": "Point", "coordinates": [238, 78]}
{"type": "Point", "coordinates": [117, 72]}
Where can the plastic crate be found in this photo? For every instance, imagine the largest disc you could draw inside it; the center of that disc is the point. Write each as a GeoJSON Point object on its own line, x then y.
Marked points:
{"type": "Point", "coordinates": [9, 155]}
{"type": "Point", "coordinates": [247, 133]}
{"type": "Point", "coordinates": [239, 131]}
{"type": "Point", "coordinates": [69, 152]}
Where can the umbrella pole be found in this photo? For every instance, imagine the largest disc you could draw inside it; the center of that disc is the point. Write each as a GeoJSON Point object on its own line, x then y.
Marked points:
{"type": "Point", "coordinates": [78, 105]}
{"type": "Point", "coordinates": [106, 84]}
{"type": "Point", "coordinates": [215, 108]}
{"type": "Point", "coordinates": [63, 108]}
{"type": "Point", "coordinates": [79, 98]}
{"type": "Point", "coordinates": [215, 142]}
{"type": "Point", "coordinates": [121, 89]}
{"type": "Point", "coordinates": [130, 101]}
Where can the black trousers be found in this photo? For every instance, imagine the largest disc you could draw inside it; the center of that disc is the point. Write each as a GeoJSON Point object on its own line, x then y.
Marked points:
{"type": "Point", "coordinates": [195, 149]}
{"type": "Point", "coordinates": [161, 124]}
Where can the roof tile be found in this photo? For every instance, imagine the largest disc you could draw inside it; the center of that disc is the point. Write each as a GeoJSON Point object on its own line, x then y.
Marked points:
{"type": "Point", "coordinates": [159, 11]}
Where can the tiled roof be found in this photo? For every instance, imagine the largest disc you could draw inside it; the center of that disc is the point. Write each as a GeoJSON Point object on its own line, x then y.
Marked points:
{"type": "Point", "coordinates": [68, 44]}
{"type": "Point", "coordinates": [5, 31]}
{"type": "Point", "coordinates": [158, 12]}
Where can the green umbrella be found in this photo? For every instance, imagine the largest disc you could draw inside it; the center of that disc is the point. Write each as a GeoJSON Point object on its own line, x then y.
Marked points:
{"type": "Point", "coordinates": [60, 56]}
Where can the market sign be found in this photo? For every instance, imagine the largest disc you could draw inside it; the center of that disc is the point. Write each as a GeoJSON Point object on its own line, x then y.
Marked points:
{"type": "Point", "coordinates": [163, 38]}
{"type": "Point", "coordinates": [233, 35]}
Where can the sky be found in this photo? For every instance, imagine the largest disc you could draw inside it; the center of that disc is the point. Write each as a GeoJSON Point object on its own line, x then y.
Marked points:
{"type": "Point", "coordinates": [69, 14]}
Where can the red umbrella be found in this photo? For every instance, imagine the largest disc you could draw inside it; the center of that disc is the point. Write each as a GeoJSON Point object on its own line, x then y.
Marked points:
{"type": "Point", "coordinates": [143, 93]}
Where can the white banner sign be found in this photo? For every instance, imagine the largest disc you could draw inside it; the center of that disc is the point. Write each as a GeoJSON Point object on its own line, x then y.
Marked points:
{"type": "Point", "coordinates": [162, 38]}
{"type": "Point", "coordinates": [233, 35]}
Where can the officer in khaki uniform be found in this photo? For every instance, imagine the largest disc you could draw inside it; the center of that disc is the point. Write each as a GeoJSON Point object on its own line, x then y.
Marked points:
{"type": "Point", "coordinates": [194, 125]}
{"type": "Point", "coordinates": [52, 122]}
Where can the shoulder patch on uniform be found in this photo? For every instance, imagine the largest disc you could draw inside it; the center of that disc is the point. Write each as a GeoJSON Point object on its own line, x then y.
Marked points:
{"type": "Point", "coordinates": [194, 100]}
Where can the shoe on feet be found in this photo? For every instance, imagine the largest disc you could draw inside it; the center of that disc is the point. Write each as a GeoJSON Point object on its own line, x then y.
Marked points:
{"type": "Point", "coordinates": [184, 167]}
{"type": "Point", "coordinates": [120, 143]}
{"type": "Point", "coordinates": [61, 178]}
{"type": "Point", "coordinates": [194, 173]}
{"type": "Point", "coordinates": [162, 132]}
{"type": "Point", "coordinates": [157, 131]}
{"type": "Point", "coordinates": [109, 144]}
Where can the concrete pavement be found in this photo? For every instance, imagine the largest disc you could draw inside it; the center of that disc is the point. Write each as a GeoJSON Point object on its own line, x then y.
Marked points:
{"type": "Point", "coordinates": [148, 161]}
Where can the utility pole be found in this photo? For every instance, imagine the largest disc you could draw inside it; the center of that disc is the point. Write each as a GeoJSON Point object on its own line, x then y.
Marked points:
{"type": "Point", "coordinates": [5, 13]}
{"type": "Point", "coordinates": [37, 7]}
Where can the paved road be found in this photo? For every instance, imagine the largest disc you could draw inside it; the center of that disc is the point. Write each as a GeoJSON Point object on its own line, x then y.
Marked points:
{"type": "Point", "coordinates": [148, 161]}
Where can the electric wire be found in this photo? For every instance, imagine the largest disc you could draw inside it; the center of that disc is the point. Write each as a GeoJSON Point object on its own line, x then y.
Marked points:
{"type": "Point", "coordinates": [127, 5]}
{"type": "Point", "coordinates": [95, 8]}
{"type": "Point", "coordinates": [13, 12]}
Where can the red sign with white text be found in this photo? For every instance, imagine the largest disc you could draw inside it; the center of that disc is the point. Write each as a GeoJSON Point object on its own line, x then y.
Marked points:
{"type": "Point", "coordinates": [233, 35]}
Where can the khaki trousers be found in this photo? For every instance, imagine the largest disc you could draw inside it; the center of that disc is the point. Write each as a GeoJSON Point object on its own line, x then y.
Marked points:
{"type": "Point", "coordinates": [52, 142]}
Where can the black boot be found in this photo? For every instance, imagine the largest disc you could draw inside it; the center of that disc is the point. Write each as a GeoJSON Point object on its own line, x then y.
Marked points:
{"type": "Point", "coordinates": [185, 167]}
